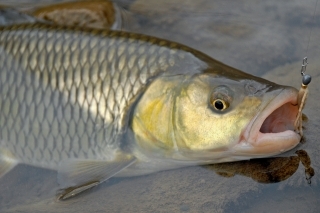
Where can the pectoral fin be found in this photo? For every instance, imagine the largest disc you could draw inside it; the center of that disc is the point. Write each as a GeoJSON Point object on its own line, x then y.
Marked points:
{"type": "Point", "coordinates": [7, 162]}
{"type": "Point", "coordinates": [76, 176]}
{"type": "Point", "coordinates": [72, 191]}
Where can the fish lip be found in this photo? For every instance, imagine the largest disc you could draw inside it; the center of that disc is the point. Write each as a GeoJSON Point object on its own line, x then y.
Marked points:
{"type": "Point", "coordinates": [254, 142]}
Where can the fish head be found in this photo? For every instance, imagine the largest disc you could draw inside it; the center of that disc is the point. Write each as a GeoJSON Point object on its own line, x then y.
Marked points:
{"type": "Point", "coordinates": [214, 118]}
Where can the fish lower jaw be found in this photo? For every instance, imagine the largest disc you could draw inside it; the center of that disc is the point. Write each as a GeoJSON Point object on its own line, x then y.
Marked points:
{"type": "Point", "coordinates": [268, 144]}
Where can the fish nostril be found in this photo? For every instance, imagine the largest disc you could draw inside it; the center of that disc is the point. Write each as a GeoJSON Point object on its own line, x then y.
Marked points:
{"type": "Point", "coordinates": [251, 89]}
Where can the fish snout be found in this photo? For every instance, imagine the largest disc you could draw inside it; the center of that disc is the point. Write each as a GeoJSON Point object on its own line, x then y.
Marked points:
{"type": "Point", "coordinates": [272, 130]}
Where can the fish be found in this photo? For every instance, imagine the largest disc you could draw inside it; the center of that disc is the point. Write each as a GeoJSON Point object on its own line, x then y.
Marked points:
{"type": "Point", "coordinates": [94, 104]}
{"type": "Point", "coordinates": [101, 14]}
{"type": "Point", "coordinates": [94, 14]}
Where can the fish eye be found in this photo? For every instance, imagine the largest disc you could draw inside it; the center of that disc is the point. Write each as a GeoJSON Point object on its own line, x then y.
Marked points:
{"type": "Point", "coordinates": [220, 105]}
{"type": "Point", "coordinates": [221, 98]}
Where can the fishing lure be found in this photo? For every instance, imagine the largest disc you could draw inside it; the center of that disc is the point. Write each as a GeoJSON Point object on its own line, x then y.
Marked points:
{"type": "Point", "coordinates": [302, 95]}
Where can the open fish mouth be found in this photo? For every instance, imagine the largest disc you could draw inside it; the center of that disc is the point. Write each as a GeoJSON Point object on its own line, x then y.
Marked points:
{"type": "Point", "coordinates": [272, 131]}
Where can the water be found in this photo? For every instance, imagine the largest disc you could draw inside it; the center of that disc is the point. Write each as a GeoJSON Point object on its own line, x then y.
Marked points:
{"type": "Point", "coordinates": [265, 38]}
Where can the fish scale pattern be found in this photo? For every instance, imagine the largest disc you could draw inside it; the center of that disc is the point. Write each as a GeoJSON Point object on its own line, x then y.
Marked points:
{"type": "Point", "coordinates": [65, 93]}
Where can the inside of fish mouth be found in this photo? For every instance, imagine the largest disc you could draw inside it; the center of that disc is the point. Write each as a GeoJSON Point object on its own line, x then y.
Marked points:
{"type": "Point", "coordinates": [281, 119]}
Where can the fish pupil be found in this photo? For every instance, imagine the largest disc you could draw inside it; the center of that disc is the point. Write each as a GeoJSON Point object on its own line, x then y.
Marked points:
{"type": "Point", "coordinates": [218, 105]}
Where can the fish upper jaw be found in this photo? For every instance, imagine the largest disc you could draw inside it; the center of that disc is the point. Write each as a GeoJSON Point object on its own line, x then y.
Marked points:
{"type": "Point", "coordinates": [271, 131]}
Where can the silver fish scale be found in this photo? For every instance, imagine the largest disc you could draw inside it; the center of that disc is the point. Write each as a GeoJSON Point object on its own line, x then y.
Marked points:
{"type": "Point", "coordinates": [65, 93]}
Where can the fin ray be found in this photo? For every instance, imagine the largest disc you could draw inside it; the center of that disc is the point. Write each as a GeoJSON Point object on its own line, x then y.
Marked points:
{"type": "Point", "coordinates": [74, 172]}
{"type": "Point", "coordinates": [7, 162]}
